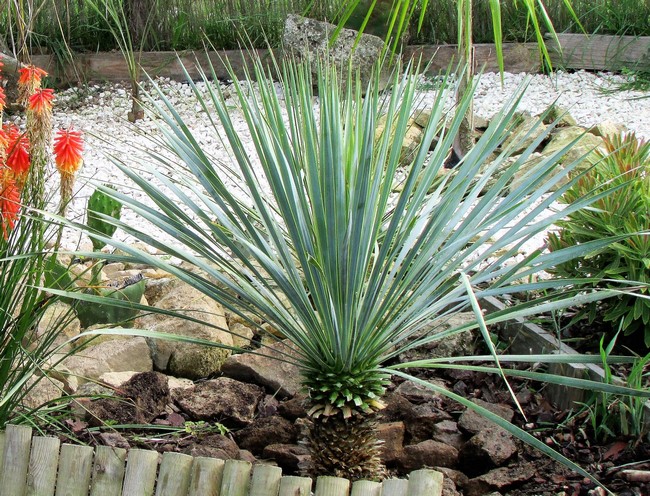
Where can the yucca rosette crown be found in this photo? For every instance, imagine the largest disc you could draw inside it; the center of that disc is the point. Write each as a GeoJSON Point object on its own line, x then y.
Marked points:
{"type": "Point", "coordinates": [68, 145]}
{"type": "Point", "coordinates": [41, 101]}
{"type": "Point", "coordinates": [9, 202]}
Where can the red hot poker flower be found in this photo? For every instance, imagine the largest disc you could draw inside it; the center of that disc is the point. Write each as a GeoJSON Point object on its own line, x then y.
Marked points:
{"type": "Point", "coordinates": [18, 152]}
{"type": "Point", "coordinates": [9, 204]}
{"type": "Point", "coordinates": [31, 75]}
{"type": "Point", "coordinates": [3, 99]}
{"type": "Point", "coordinates": [68, 146]}
{"type": "Point", "coordinates": [41, 101]}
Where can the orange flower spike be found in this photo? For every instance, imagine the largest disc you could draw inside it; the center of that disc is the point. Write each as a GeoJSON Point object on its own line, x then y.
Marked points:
{"type": "Point", "coordinates": [41, 101]}
{"type": "Point", "coordinates": [28, 82]}
{"type": "Point", "coordinates": [9, 204]}
{"type": "Point", "coordinates": [3, 99]}
{"type": "Point", "coordinates": [68, 146]}
{"type": "Point", "coordinates": [31, 75]}
{"type": "Point", "coordinates": [18, 153]}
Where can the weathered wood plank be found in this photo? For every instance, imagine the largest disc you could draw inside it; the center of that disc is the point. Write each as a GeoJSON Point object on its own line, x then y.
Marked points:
{"type": "Point", "coordinates": [236, 478]}
{"type": "Point", "coordinates": [108, 471]}
{"type": "Point", "coordinates": [425, 481]}
{"type": "Point", "coordinates": [206, 477]}
{"type": "Point", "coordinates": [174, 475]}
{"type": "Point", "coordinates": [366, 488]}
{"type": "Point", "coordinates": [18, 439]}
{"type": "Point", "coordinates": [395, 487]}
{"type": "Point", "coordinates": [265, 481]}
{"type": "Point", "coordinates": [43, 463]}
{"type": "Point", "coordinates": [140, 475]}
{"type": "Point", "coordinates": [295, 486]}
{"type": "Point", "coordinates": [600, 52]}
{"type": "Point", "coordinates": [332, 486]}
{"type": "Point", "coordinates": [110, 66]}
{"type": "Point", "coordinates": [75, 470]}
{"type": "Point", "coordinates": [517, 57]}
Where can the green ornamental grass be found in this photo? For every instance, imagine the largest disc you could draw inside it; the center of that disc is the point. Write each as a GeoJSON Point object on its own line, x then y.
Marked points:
{"type": "Point", "coordinates": [303, 230]}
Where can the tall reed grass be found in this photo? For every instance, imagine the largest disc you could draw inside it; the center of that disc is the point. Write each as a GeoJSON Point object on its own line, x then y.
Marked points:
{"type": "Point", "coordinates": [187, 24]}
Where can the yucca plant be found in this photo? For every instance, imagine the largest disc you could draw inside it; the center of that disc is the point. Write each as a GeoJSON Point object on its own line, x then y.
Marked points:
{"type": "Point", "coordinates": [304, 231]}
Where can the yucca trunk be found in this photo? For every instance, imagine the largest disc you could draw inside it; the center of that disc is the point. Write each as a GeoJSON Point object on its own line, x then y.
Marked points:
{"type": "Point", "coordinates": [345, 447]}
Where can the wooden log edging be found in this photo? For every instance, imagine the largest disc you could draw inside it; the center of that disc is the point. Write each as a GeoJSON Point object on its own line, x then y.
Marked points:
{"type": "Point", "coordinates": [41, 466]}
{"type": "Point", "coordinates": [111, 67]}
{"type": "Point", "coordinates": [600, 52]}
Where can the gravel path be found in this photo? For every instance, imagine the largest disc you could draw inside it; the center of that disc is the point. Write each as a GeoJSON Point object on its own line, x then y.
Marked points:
{"type": "Point", "coordinates": [100, 112]}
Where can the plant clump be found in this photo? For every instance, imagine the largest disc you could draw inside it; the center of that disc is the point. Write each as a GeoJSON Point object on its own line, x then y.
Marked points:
{"type": "Point", "coordinates": [620, 175]}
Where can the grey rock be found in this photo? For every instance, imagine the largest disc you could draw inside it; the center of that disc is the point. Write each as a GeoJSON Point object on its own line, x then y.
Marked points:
{"type": "Point", "coordinates": [446, 431]}
{"type": "Point", "coordinates": [309, 39]}
{"type": "Point", "coordinates": [524, 134]}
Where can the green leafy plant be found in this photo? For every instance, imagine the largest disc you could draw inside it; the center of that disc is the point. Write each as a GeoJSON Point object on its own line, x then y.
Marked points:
{"type": "Point", "coordinates": [623, 214]}
{"type": "Point", "coordinates": [307, 235]}
{"type": "Point", "coordinates": [610, 415]}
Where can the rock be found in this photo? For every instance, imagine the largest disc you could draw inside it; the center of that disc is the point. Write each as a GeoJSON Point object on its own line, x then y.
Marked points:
{"type": "Point", "coordinates": [472, 422]}
{"type": "Point", "coordinates": [116, 379]}
{"type": "Point", "coordinates": [187, 360]}
{"type": "Point", "coordinates": [138, 401]}
{"type": "Point", "coordinates": [459, 344]}
{"type": "Point", "coordinates": [563, 117]}
{"type": "Point", "coordinates": [58, 316]}
{"type": "Point", "coordinates": [446, 431]}
{"type": "Point", "coordinates": [223, 399]}
{"type": "Point", "coordinates": [488, 449]}
{"type": "Point", "coordinates": [410, 143]}
{"type": "Point", "coordinates": [499, 479]}
{"type": "Point", "coordinates": [428, 454]}
{"type": "Point", "coordinates": [524, 134]}
{"type": "Point", "coordinates": [309, 39]}
{"type": "Point", "coordinates": [117, 355]}
{"type": "Point", "coordinates": [583, 145]}
{"type": "Point", "coordinates": [418, 393]}
{"type": "Point", "coordinates": [607, 129]}
{"type": "Point", "coordinates": [293, 408]}
{"type": "Point", "coordinates": [267, 370]}
{"type": "Point", "coordinates": [214, 446]}
{"type": "Point", "coordinates": [241, 335]}
{"type": "Point", "coordinates": [178, 384]}
{"type": "Point", "coordinates": [41, 391]}
{"type": "Point", "coordinates": [291, 457]}
{"type": "Point", "coordinates": [266, 430]}
{"type": "Point", "coordinates": [391, 435]}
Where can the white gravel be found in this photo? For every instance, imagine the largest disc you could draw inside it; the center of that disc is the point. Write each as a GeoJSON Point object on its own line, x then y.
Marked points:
{"type": "Point", "coordinates": [100, 112]}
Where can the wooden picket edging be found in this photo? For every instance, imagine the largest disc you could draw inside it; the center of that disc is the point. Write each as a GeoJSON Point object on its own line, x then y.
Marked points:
{"type": "Point", "coordinates": [42, 466]}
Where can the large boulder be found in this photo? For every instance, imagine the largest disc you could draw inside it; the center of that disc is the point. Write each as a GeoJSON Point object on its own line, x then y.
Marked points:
{"type": "Point", "coordinates": [267, 367]}
{"type": "Point", "coordinates": [116, 355]}
{"type": "Point", "coordinates": [309, 39]}
{"type": "Point", "coordinates": [180, 359]}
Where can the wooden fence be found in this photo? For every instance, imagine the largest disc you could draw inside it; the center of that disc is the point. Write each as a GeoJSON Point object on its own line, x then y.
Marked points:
{"type": "Point", "coordinates": [41, 466]}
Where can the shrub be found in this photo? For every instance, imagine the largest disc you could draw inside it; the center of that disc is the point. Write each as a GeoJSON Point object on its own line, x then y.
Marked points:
{"type": "Point", "coordinates": [624, 213]}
